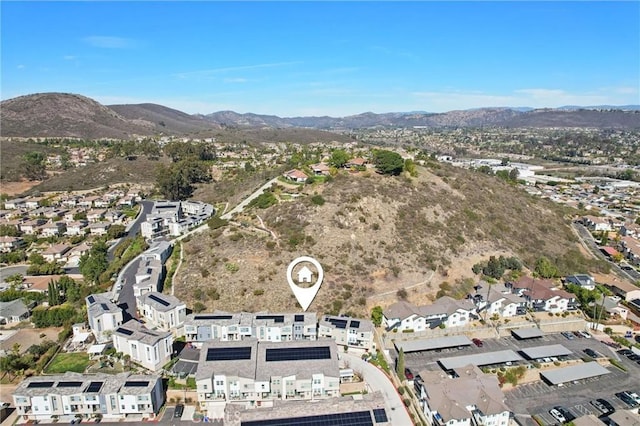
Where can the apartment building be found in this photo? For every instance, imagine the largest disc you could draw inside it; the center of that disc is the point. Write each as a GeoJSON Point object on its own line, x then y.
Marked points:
{"type": "Point", "coordinates": [150, 348]}
{"type": "Point", "coordinates": [347, 331]}
{"type": "Point", "coordinates": [225, 326]}
{"type": "Point", "coordinates": [162, 311]}
{"type": "Point", "coordinates": [251, 371]}
{"type": "Point", "coordinates": [445, 311]}
{"type": "Point", "coordinates": [110, 396]}
{"type": "Point", "coordinates": [104, 316]}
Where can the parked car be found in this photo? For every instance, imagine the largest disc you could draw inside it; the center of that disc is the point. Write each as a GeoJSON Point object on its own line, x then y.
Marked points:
{"type": "Point", "coordinates": [179, 410]}
{"type": "Point", "coordinates": [627, 399]}
{"type": "Point", "coordinates": [591, 353]}
{"type": "Point", "coordinates": [556, 414]}
{"type": "Point", "coordinates": [477, 342]}
{"type": "Point", "coordinates": [577, 334]}
{"type": "Point", "coordinates": [625, 352]}
{"type": "Point", "coordinates": [408, 374]}
{"type": "Point", "coordinates": [634, 357]}
{"type": "Point", "coordinates": [568, 335]}
{"type": "Point", "coordinates": [585, 334]}
{"type": "Point", "coordinates": [603, 406]}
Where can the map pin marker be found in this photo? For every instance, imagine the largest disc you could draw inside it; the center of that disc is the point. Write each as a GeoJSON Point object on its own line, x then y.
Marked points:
{"type": "Point", "coordinates": [305, 295]}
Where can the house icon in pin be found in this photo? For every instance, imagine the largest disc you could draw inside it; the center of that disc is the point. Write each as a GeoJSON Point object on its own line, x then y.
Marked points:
{"type": "Point", "coordinates": [305, 275]}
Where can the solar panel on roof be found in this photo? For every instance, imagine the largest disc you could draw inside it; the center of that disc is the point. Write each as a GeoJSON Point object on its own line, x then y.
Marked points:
{"type": "Point", "coordinates": [124, 331]}
{"type": "Point", "coordinates": [40, 385]}
{"type": "Point", "coordinates": [229, 354]}
{"type": "Point", "coordinates": [91, 299]}
{"type": "Point", "coordinates": [298, 318]}
{"type": "Point", "coordinates": [160, 301]}
{"type": "Point", "coordinates": [136, 384]}
{"type": "Point", "coordinates": [358, 418]}
{"type": "Point", "coordinates": [298, 354]}
{"type": "Point", "coordinates": [354, 324]}
{"type": "Point", "coordinates": [69, 384]}
{"type": "Point", "coordinates": [213, 317]}
{"type": "Point", "coordinates": [94, 387]}
{"type": "Point", "coordinates": [338, 323]}
{"type": "Point", "coordinates": [275, 318]}
{"type": "Point", "coordinates": [380, 415]}
{"type": "Point", "coordinates": [104, 306]}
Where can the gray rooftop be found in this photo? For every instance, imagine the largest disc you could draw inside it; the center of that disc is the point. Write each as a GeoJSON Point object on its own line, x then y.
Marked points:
{"type": "Point", "coordinates": [111, 383]}
{"type": "Point", "coordinates": [431, 344]}
{"type": "Point", "coordinates": [362, 325]}
{"type": "Point", "coordinates": [574, 372]}
{"type": "Point", "coordinates": [14, 308]}
{"type": "Point", "coordinates": [160, 302]}
{"type": "Point", "coordinates": [527, 333]}
{"type": "Point", "coordinates": [140, 333]}
{"type": "Point", "coordinates": [236, 368]}
{"type": "Point", "coordinates": [545, 351]}
{"type": "Point", "coordinates": [487, 358]}
{"type": "Point", "coordinates": [302, 369]}
{"type": "Point", "coordinates": [100, 303]}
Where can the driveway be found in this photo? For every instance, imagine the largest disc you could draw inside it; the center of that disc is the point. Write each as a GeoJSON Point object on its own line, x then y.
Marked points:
{"type": "Point", "coordinates": [126, 299]}
{"type": "Point", "coordinates": [7, 271]}
{"type": "Point", "coordinates": [378, 381]}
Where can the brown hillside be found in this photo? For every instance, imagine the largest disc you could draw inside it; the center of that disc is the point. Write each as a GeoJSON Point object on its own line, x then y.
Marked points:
{"type": "Point", "coordinates": [375, 235]}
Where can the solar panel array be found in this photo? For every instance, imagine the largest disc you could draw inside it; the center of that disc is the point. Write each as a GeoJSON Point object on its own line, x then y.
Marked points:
{"type": "Point", "coordinates": [229, 354]}
{"type": "Point", "coordinates": [136, 384]}
{"type": "Point", "coordinates": [69, 384]}
{"type": "Point", "coordinates": [124, 331]}
{"type": "Point", "coordinates": [104, 306]}
{"type": "Point", "coordinates": [354, 324]}
{"type": "Point", "coordinates": [358, 418]}
{"type": "Point", "coordinates": [160, 301]}
{"type": "Point", "coordinates": [298, 318]}
{"type": "Point", "coordinates": [380, 415]}
{"type": "Point", "coordinates": [298, 354]}
{"type": "Point", "coordinates": [91, 299]}
{"type": "Point", "coordinates": [40, 385]}
{"type": "Point", "coordinates": [94, 387]}
{"type": "Point", "coordinates": [275, 318]}
{"type": "Point", "coordinates": [337, 323]}
{"type": "Point", "coordinates": [213, 317]}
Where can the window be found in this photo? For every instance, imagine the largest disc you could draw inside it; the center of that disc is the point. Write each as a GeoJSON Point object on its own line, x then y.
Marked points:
{"type": "Point", "coordinates": [219, 382]}
{"type": "Point", "coordinates": [204, 387]}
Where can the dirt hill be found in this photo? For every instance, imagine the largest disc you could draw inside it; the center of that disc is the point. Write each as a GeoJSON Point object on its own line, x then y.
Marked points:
{"type": "Point", "coordinates": [374, 235]}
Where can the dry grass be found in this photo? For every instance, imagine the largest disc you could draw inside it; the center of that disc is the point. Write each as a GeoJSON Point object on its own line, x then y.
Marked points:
{"type": "Point", "coordinates": [375, 235]}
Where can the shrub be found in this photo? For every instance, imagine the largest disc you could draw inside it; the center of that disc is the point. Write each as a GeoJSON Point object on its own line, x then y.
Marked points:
{"type": "Point", "coordinates": [318, 200]}
{"type": "Point", "coordinates": [258, 292]}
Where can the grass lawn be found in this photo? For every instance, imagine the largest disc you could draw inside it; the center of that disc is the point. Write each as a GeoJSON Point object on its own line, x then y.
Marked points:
{"type": "Point", "coordinates": [76, 362]}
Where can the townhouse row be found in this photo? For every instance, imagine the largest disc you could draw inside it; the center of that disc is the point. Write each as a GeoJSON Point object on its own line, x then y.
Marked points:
{"type": "Point", "coordinates": [107, 396]}
{"type": "Point", "coordinates": [174, 218]}
{"type": "Point", "coordinates": [502, 300]}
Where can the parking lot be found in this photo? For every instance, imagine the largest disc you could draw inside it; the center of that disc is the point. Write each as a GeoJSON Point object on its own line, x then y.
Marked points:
{"type": "Point", "coordinates": [538, 398]}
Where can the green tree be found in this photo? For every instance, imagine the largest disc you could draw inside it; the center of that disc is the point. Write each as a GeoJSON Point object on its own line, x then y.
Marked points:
{"type": "Point", "coordinates": [400, 364]}
{"type": "Point", "coordinates": [494, 268]}
{"type": "Point", "coordinates": [116, 231]}
{"type": "Point", "coordinates": [33, 165]}
{"type": "Point", "coordinates": [339, 158]}
{"type": "Point", "coordinates": [94, 263]}
{"type": "Point", "coordinates": [388, 162]}
{"type": "Point", "coordinates": [410, 167]}
{"type": "Point", "coordinates": [545, 268]}
{"type": "Point", "coordinates": [376, 316]}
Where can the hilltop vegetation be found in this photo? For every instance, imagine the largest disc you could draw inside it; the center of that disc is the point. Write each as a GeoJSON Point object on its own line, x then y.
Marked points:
{"type": "Point", "coordinates": [375, 235]}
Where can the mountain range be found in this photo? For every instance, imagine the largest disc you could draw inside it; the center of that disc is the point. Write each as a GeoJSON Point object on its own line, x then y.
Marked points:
{"type": "Point", "coordinates": [72, 115]}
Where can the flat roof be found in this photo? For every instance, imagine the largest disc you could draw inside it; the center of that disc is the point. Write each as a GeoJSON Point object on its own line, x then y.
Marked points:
{"type": "Point", "coordinates": [574, 372]}
{"type": "Point", "coordinates": [487, 358]}
{"type": "Point", "coordinates": [545, 351]}
{"type": "Point", "coordinates": [527, 333]}
{"type": "Point", "coordinates": [431, 344]}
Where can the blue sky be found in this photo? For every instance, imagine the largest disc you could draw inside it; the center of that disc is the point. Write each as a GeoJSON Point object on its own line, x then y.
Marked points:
{"type": "Point", "coordinates": [325, 58]}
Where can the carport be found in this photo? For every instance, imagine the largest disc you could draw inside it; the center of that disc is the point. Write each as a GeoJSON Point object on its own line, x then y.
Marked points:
{"type": "Point", "coordinates": [432, 344]}
{"type": "Point", "coordinates": [488, 358]}
{"type": "Point", "coordinates": [546, 351]}
{"type": "Point", "coordinates": [527, 333]}
{"type": "Point", "coordinates": [574, 372]}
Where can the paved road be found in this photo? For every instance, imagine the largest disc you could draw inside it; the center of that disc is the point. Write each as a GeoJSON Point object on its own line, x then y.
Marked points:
{"type": "Point", "coordinates": [378, 381]}
{"type": "Point", "coordinates": [126, 279]}
{"type": "Point", "coordinates": [246, 201]}
{"type": "Point", "coordinates": [132, 228]}
{"type": "Point", "coordinates": [585, 235]}
{"type": "Point", "coordinates": [7, 271]}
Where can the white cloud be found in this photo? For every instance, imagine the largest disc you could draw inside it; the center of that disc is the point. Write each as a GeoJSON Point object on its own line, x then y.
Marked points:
{"type": "Point", "coordinates": [110, 42]}
{"type": "Point", "coordinates": [21, 67]}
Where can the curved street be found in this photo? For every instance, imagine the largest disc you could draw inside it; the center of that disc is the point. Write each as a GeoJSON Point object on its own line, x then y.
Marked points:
{"type": "Point", "coordinates": [378, 381]}
{"type": "Point", "coordinates": [240, 207]}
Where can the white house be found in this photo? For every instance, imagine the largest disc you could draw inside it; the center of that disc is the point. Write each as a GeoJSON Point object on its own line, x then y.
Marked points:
{"type": "Point", "coordinates": [150, 348]}
{"type": "Point", "coordinates": [162, 311]}
{"type": "Point", "coordinates": [347, 331]}
{"type": "Point", "coordinates": [104, 316]}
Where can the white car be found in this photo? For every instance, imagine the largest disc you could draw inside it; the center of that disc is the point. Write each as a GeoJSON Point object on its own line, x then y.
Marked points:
{"type": "Point", "coordinates": [585, 334]}
{"type": "Point", "coordinates": [557, 415]}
